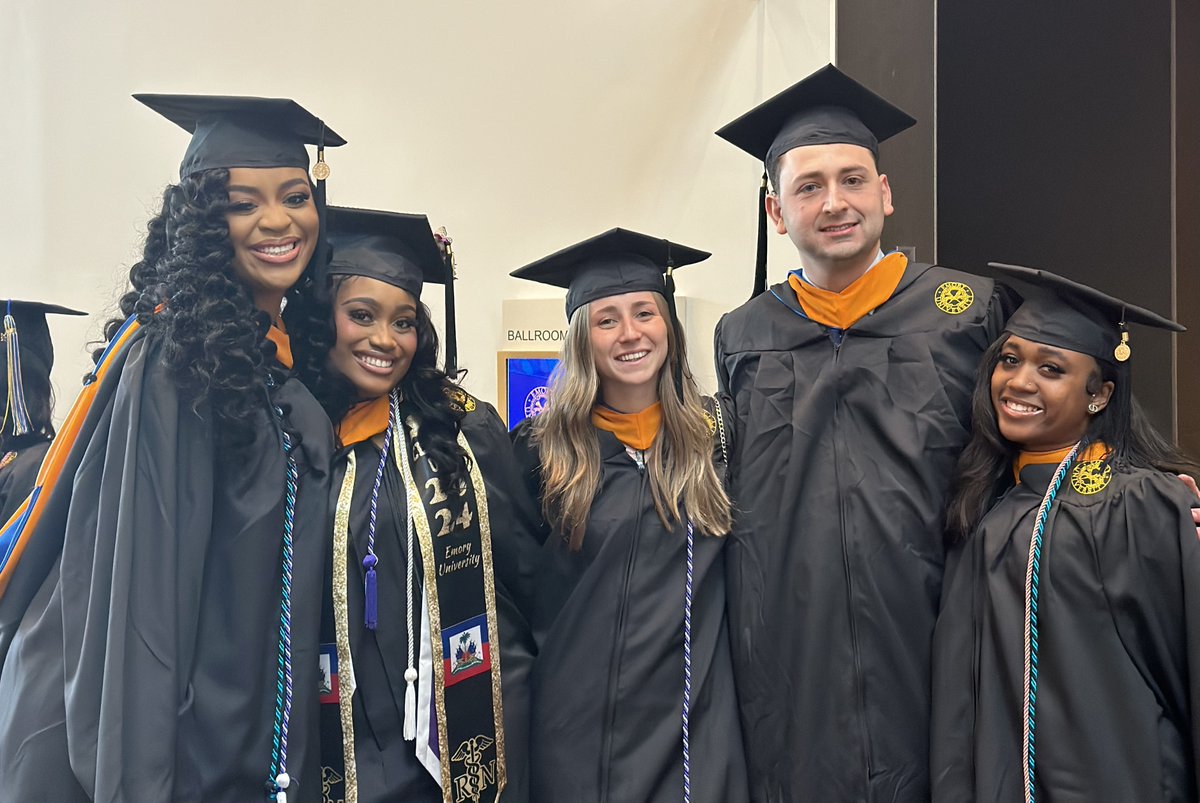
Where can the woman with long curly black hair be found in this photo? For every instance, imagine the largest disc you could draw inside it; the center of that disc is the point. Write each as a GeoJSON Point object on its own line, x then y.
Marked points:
{"type": "Point", "coordinates": [171, 652]}
{"type": "Point", "coordinates": [427, 654]}
{"type": "Point", "coordinates": [1066, 652]}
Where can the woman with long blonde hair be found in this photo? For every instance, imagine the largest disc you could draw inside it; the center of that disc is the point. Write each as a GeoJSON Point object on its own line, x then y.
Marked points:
{"type": "Point", "coordinates": [632, 692]}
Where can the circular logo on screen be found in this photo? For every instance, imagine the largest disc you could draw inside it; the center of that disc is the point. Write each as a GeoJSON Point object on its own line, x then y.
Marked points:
{"type": "Point", "coordinates": [535, 402]}
{"type": "Point", "coordinates": [953, 298]}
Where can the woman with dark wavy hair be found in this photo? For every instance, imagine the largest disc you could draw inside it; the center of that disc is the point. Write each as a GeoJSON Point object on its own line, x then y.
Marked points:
{"type": "Point", "coordinates": [1067, 649]}
{"type": "Point", "coordinates": [171, 651]}
{"type": "Point", "coordinates": [426, 656]}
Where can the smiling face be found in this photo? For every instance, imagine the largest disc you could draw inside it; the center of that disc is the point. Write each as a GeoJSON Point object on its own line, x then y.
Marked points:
{"type": "Point", "coordinates": [831, 202]}
{"type": "Point", "coordinates": [273, 228]}
{"type": "Point", "coordinates": [1041, 394]}
{"type": "Point", "coordinates": [376, 327]}
{"type": "Point", "coordinates": [629, 346]}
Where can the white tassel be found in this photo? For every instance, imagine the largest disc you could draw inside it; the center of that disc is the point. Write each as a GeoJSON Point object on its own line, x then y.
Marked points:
{"type": "Point", "coordinates": [410, 704]}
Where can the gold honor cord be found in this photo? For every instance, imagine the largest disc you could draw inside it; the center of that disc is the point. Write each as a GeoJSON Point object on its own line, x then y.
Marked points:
{"type": "Point", "coordinates": [341, 529]}
{"type": "Point", "coordinates": [489, 593]}
{"type": "Point", "coordinates": [421, 524]}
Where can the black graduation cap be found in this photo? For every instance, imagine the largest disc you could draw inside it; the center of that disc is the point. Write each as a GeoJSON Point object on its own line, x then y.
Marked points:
{"type": "Point", "coordinates": [828, 107]}
{"type": "Point", "coordinates": [233, 131]}
{"type": "Point", "coordinates": [393, 247]}
{"type": "Point", "coordinates": [613, 263]}
{"type": "Point", "coordinates": [27, 341]}
{"type": "Point", "coordinates": [1060, 312]}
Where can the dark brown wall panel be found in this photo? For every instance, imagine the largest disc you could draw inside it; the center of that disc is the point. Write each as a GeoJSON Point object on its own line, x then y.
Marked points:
{"type": "Point", "coordinates": [1054, 137]}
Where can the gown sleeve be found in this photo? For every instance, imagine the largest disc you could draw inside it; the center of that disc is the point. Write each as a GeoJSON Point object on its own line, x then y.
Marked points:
{"type": "Point", "coordinates": [1149, 559]}
{"type": "Point", "coordinates": [955, 663]}
{"type": "Point", "coordinates": [139, 517]}
{"type": "Point", "coordinates": [513, 519]}
{"type": "Point", "coordinates": [516, 547]}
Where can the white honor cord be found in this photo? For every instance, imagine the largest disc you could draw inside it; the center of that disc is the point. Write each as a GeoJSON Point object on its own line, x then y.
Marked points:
{"type": "Point", "coordinates": [411, 498]}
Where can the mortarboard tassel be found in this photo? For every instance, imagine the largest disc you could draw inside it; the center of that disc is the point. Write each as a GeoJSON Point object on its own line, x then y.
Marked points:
{"type": "Point", "coordinates": [370, 594]}
{"type": "Point", "coordinates": [320, 172]}
{"type": "Point", "coordinates": [410, 704]}
{"type": "Point", "coordinates": [669, 281]}
{"type": "Point", "coordinates": [16, 387]}
{"type": "Point", "coordinates": [760, 261]}
{"type": "Point", "coordinates": [451, 328]}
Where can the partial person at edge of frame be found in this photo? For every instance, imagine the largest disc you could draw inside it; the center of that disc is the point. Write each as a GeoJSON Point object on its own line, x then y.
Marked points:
{"type": "Point", "coordinates": [1108, 617]}
{"type": "Point", "coordinates": [28, 426]}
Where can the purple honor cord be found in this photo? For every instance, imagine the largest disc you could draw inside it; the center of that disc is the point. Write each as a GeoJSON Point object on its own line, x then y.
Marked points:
{"type": "Point", "coordinates": [370, 588]}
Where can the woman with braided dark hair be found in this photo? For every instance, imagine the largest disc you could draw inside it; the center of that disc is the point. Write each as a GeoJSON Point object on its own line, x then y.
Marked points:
{"type": "Point", "coordinates": [171, 561]}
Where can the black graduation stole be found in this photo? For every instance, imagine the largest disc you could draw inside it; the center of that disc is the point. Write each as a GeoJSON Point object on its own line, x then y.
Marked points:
{"type": "Point", "coordinates": [464, 718]}
{"type": "Point", "coordinates": [456, 553]}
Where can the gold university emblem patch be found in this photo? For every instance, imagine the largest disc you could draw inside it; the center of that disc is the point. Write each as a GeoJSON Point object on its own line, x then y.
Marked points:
{"type": "Point", "coordinates": [953, 298]}
{"type": "Point", "coordinates": [1091, 477]}
{"type": "Point", "coordinates": [460, 400]}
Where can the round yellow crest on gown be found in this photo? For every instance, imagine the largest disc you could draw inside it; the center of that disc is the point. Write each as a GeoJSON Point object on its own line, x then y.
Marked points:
{"type": "Point", "coordinates": [953, 298]}
{"type": "Point", "coordinates": [712, 422]}
{"type": "Point", "coordinates": [1091, 477]}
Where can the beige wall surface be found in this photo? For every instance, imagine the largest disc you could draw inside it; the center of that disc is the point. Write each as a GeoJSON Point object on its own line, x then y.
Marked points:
{"type": "Point", "coordinates": [520, 126]}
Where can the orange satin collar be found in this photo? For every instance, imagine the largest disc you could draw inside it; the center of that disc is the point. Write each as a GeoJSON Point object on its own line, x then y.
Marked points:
{"type": "Point", "coordinates": [364, 421]}
{"type": "Point", "coordinates": [635, 430]}
{"type": "Point", "coordinates": [843, 310]}
{"type": "Point", "coordinates": [283, 345]}
{"type": "Point", "coordinates": [1094, 451]}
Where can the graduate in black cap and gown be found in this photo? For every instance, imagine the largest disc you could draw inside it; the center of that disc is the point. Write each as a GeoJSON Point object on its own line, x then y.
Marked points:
{"type": "Point", "coordinates": [851, 386]}
{"type": "Point", "coordinates": [1067, 651]}
{"type": "Point", "coordinates": [633, 695]}
{"type": "Point", "coordinates": [171, 652]}
{"type": "Point", "coordinates": [425, 653]}
{"type": "Point", "coordinates": [28, 427]}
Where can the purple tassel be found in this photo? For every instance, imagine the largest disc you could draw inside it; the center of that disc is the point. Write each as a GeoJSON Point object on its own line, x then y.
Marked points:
{"type": "Point", "coordinates": [372, 601]}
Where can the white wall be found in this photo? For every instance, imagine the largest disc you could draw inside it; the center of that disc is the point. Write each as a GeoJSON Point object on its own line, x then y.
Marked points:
{"type": "Point", "coordinates": [521, 126]}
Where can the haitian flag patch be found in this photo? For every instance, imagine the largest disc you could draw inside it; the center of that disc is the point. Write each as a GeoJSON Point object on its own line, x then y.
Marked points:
{"type": "Point", "coordinates": [327, 690]}
{"type": "Point", "coordinates": [466, 651]}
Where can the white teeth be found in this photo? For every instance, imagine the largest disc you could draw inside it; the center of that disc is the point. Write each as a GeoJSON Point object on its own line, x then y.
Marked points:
{"type": "Point", "coordinates": [375, 362]}
{"type": "Point", "coordinates": [1022, 408]}
{"type": "Point", "coordinates": [276, 250]}
{"type": "Point", "coordinates": [637, 355]}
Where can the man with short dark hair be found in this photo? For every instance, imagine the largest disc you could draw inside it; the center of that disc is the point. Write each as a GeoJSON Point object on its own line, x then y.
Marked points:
{"type": "Point", "coordinates": [851, 383]}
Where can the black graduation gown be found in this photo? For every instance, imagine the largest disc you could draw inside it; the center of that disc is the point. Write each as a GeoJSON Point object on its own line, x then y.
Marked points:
{"type": "Point", "coordinates": [387, 766]}
{"type": "Point", "coordinates": [18, 477]}
{"type": "Point", "coordinates": [145, 666]}
{"type": "Point", "coordinates": [1119, 647]}
{"type": "Point", "coordinates": [844, 457]}
{"type": "Point", "coordinates": [16, 482]}
{"type": "Point", "coordinates": [608, 681]}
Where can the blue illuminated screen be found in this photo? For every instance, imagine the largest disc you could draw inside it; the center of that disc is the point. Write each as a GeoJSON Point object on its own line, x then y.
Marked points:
{"type": "Point", "coordinates": [528, 381]}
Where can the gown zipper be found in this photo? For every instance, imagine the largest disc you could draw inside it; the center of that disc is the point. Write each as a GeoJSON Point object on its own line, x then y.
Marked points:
{"type": "Point", "coordinates": [618, 642]}
{"type": "Point", "coordinates": [859, 683]}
